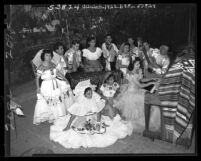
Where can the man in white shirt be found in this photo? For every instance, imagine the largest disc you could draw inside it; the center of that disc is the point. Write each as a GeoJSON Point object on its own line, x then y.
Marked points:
{"type": "Point", "coordinates": [59, 59]}
{"type": "Point", "coordinates": [109, 52]}
{"type": "Point", "coordinates": [73, 55]}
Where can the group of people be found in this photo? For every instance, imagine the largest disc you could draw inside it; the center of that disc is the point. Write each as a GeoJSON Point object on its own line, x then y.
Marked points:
{"type": "Point", "coordinates": [92, 116]}
{"type": "Point", "coordinates": [79, 117]}
{"type": "Point", "coordinates": [122, 59]}
{"type": "Point", "coordinates": [113, 58]}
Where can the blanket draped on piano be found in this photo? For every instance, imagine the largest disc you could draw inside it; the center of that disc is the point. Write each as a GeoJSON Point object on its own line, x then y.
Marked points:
{"type": "Point", "coordinates": [177, 95]}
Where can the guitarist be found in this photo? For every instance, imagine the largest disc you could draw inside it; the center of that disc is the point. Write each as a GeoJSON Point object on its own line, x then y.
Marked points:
{"type": "Point", "coordinates": [156, 60]}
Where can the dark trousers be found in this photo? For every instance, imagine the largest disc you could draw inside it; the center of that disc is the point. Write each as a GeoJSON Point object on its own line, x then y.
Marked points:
{"type": "Point", "coordinates": [112, 65]}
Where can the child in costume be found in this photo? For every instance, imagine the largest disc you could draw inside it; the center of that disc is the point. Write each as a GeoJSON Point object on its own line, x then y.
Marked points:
{"type": "Point", "coordinates": [89, 103]}
{"type": "Point", "coordinates": [84, 125]}
{"type": "Point", "coordinates": [108, 90]}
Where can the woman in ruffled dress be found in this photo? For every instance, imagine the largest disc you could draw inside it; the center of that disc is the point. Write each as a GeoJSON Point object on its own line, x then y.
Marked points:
{"type": "Point", "coordinates": [84, 126]}
{"type": "Point", "coordinates": [86, 104]}
{"type": "Point", "coordinates": [131, 41]}
{"type": "Point", "coordinates": [130, 101]}
{"type": "Point", "coordinates": [91, 56]}
{"type": "Point", "coordinates": [124, 61]}
{"type": "Point", "coordinates": [54, 95]}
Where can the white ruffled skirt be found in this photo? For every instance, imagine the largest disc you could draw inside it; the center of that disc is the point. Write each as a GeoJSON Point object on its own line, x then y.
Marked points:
{"type": "Point", "coordinates": [117, 129]}
{"type": "Point", "coordinates": [86, 107]}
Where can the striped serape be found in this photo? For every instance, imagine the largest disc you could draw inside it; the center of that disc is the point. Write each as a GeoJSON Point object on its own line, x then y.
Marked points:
{"type": "Point", "coordinates": [177, 95]}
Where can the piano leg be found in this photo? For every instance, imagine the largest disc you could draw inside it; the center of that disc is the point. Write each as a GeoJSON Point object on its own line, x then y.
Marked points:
{"type": "Point", "coordinates": [147, 108]}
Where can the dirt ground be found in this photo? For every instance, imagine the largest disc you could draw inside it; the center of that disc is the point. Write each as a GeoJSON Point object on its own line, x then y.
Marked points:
{"type": "Point", "coordinates": [32, 136]}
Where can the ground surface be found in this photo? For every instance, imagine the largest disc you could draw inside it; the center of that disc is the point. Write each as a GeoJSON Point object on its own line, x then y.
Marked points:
{"type": "Point", "coordinates": [31, 136]}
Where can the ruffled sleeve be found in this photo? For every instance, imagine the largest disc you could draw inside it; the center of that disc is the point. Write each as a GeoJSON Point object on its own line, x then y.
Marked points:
{"type": "Point", "coordinates": [92, 55]}
{"type": "Point", "coordinates": [99, 52]}
{"type": "Point", "coordinates": [96, 96]}
{"type": "Point", "coordinates": [85, 53]}
{"type": "Point", "coordinates": [39, 72]}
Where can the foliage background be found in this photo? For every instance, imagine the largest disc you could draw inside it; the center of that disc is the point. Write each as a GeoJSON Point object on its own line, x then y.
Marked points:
{"type": "Point", "coordinates": [166, 24]}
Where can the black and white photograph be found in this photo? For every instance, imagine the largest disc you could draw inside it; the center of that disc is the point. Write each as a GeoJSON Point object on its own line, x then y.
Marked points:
{"type": "Point", "coordinates": [100, 79]}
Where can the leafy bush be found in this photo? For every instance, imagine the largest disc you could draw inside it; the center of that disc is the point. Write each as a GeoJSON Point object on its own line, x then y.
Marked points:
{"type": "Point", "coordinates": [23, 52]}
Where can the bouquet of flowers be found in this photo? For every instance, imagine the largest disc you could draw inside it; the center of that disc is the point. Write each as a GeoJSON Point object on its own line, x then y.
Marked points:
{"type": "Point", "coordinates": [89, 125]}
{"type": "Point", "coordinates": [90, 128]}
